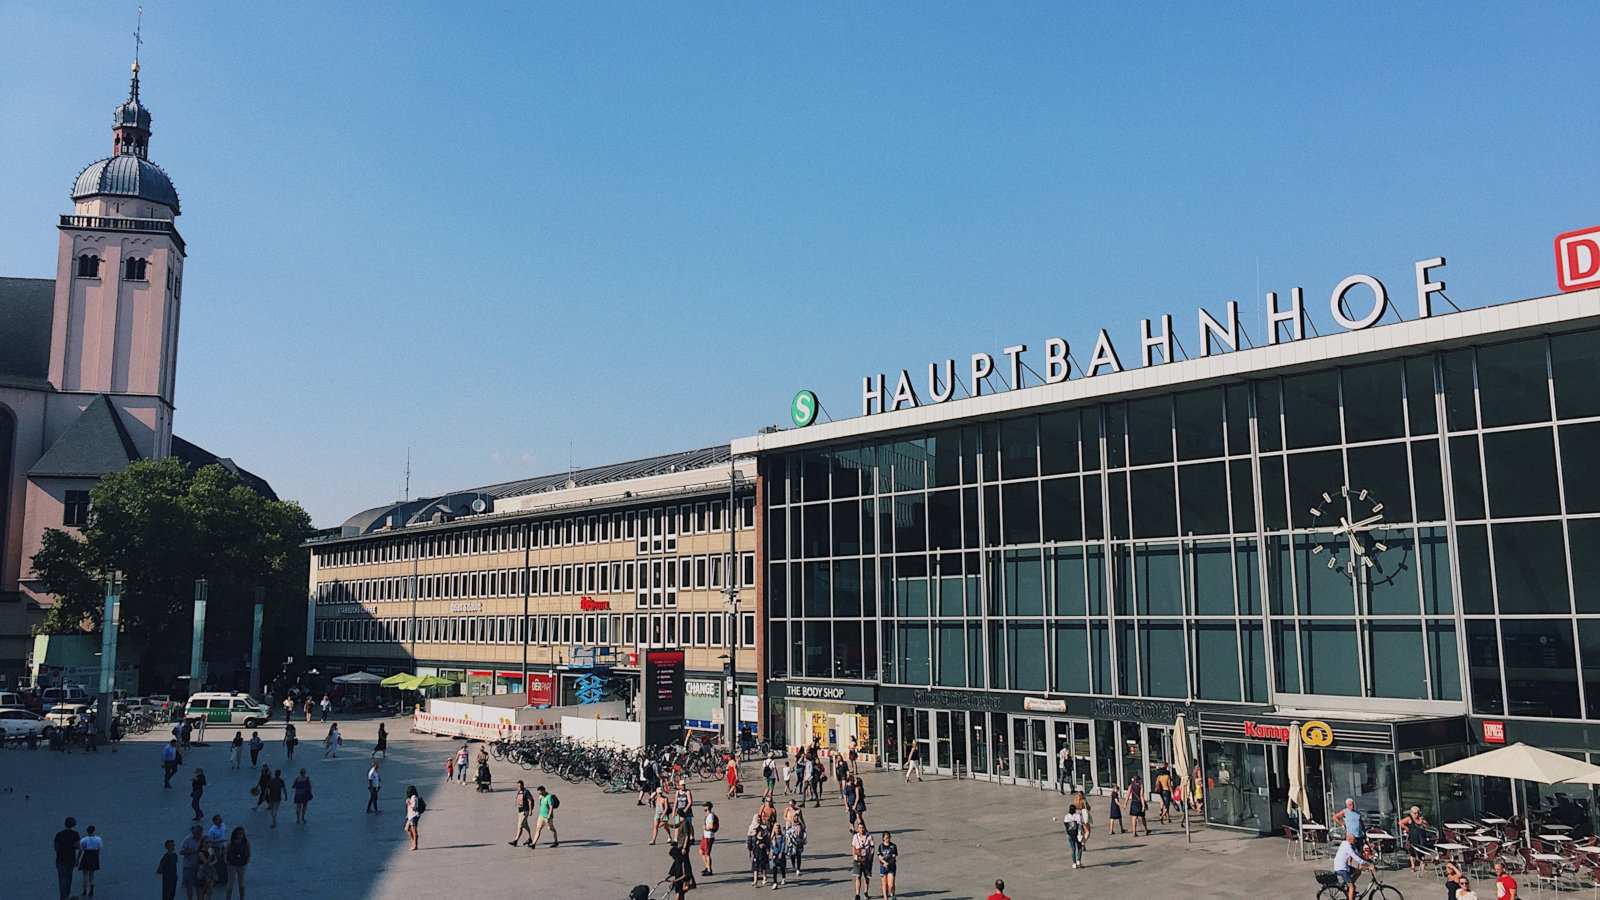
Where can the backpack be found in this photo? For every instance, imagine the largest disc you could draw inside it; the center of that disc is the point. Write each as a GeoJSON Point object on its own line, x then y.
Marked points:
{"type": "Point", "coordinates": [422, 805]}
{"type": "Point", "coordinates": [555, 803]}
{"type": "Point", "coordinates": [1072, 827]}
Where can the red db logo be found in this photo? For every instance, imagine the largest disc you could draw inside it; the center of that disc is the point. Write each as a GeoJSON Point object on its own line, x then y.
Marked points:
{"type": "Point", "coordinates": [1578, 259]}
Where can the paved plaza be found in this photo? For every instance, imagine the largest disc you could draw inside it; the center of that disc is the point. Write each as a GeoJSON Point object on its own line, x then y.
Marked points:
{"type": "Point", "coordinates": [955, 837]}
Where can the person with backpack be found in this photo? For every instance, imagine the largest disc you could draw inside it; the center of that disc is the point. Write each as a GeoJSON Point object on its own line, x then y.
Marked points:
{"type": "Point", "coordinates": [548, 804]}
{"type": "Point", "coordinates": [415, 807]}
{"type": "Point", "coordinates": [861, 861]}
{"type": "Point", "coordinates": [708, 839]}
{"type": "Point", "coordinates": [769, 774]}
{"type": "Point", "coordinates": [888, 864]}
{"type": "Point", "coordinates": [524, 813]}
{"type": "Point", "coordinates": [1077, 830]}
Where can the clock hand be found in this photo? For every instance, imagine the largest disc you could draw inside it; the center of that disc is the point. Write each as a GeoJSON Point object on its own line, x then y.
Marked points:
{"type": "Point", "coordinates": [1367, 521]}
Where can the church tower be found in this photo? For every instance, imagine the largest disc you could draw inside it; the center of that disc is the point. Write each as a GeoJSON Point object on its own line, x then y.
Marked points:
{"type": "Point", "coordinates": [119, 283]}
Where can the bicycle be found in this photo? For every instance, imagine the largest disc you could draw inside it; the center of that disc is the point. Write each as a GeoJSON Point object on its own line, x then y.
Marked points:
{"type": "Point", "coordinates": [1375, 889]}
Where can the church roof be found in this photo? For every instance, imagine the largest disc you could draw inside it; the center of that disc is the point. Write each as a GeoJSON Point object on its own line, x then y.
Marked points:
{"type": "Point", "coordinates": [26, 309]}
{"type": "Point", "coordinates": [96, 443]}
{"type": "Point", "coordinates": [126, 175]}
{"type": "Point", "coordinates": [195, 456]}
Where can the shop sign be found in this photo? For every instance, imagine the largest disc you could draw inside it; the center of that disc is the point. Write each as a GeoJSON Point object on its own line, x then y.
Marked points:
{"type": "Point", "coordinates": [540, 689]}
{"type": "Point", "coordinates": [467, 606]}
{"type": "Point", "coordinates": [1041, 704]}
{"type": "Point", "coordinates": [747, 707]}
{"type": "Point", "coordinates": [1494, 732]}
{"type": "Point", "coordinates": [1147, 711]}
{"type": "Point", "coordinates": [956, 700]}
{"type": "Point", "coordinates": [1316, 734]}
{"type": "Point", "coordinates": [700, 688]}
{"type": "Point", "coordinates": [1355, 303]}
{"type": "Point", "coordinates": [1279, 733]}
{"type": "Point", "coordinates": [590, 604]}
{"type": "Point", "coordinates": [803, 409]}
{"type": "Point", "coordinates": [1578, 260]}
{"type": "Point", "coordinates": [833, 693]}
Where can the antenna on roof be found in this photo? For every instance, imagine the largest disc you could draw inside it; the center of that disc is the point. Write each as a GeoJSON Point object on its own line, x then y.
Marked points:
{"type": "Point", "coordinates": [408, 474]}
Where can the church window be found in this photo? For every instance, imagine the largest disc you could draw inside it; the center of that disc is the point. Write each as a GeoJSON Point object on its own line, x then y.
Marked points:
{"type": "Point", "coordinates": [75, 512]}
{"type": "Point", "coordinates": [134, 270]}
{"type": "Point", "coordinates": [88, 266]}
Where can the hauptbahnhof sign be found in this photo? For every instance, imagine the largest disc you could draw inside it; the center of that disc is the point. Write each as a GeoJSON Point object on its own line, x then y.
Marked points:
{"type": "Point", "coordinates": [1285, 322]}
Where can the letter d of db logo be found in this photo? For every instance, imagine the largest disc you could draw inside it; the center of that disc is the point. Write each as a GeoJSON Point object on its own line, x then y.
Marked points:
{"type": "Point", "coordinates": [803, 409]}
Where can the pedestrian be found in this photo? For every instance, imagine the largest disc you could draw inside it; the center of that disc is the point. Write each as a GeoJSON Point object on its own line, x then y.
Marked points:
{"type": "Point", "coordinates": [732, 774]}
{"type": "Point", "coordinates": [1505, 887]}
{"type": "Point", "coordinates": [310, 707]}
{"type": "Point", "coordinates": [236, 749]}
{"type": "Point", "coordinates": [205, 873]}
{"type": "Point", "coordinates": [255, 748]}
{"type": "Point", "coordinates": [169, 762]}
{"type": "Point", "coordinates": [1464, 891]}
{"type": "Point", "coordinates": [185, 733]}
{"type": "Point", "coordinates": [524, 813]}
{"type": "Point", "coordinates": [769, 774]}
{"type": "Point", "coordinates": [649, 780]}
{"type": "Point", "coordinates": [197, 788]}
{"type": "Point", "coordinates": [683, 798]}
{"type": "Point", "coordinates": [192, 854]}
{"type": "Point", "coordinates": [217, 838]}
{"type": "Point", "coordinates": [382, 747]}
{"type": "Point", "coordinates": [483, 780]}
{"type": "Point", "coordinates": [290, 739]}
{"type": "Point", "coordinates": [167, 868]}
{"type": "Point", "coordinates": [1114, 812]}
{"type": "Point", "coordinates": [415, 807]}
{"type": "Point", "coordinates": [854, 755]}
{"type": "Point", "coordinates": [861, 861]}
{"type": "Point", "coordinates": [1064, 769]}
{"type": "Point", "coordinates": [1164, 793]}
{"type": "Point", "coordinates": [1414, 828]}
{"type": "Point", "coordinates": [288, 709]}
{"type": "Point", "coordinates": [548, 804]}
{"type": "Point", "coordinates": [759, 844]}
{"type": "Point", "coordinates": [1350, 818]}
{"type": "Point", "coordinates": [236, 855]}
{"type": "Point", "coordinates": [777, 857]}
{"type": "Point", "coordinates": [841, 773]}
{"type": "Point", "coordinates": [788, 776]}
{"type": "Point", "coordinates": [89, 847]}
{"type": "Point", "coordinates": [888, 865]}
{"type": "Point", "coordinates": [794, 837]}
{"type": "Point", "coordinates": [302, 796]}
{"type": "Point", "coordinates": [276, 791]}
{"type": "Point", "coordinates": [326, 705]}
{"type": "Point", "coordinates": [1136, 802]}
{"type": "Point", "coordinates": [461, 764]}
{"type": "Point", "coordinates": [858, 807]}
{"type": "Point", "coordinates": [374, 784]}
{"type": "Point", "coordinates": [663, 806]}
{"type": "Point", "coordinates": [847, 793]}
{"type": "Point", "coordinates": [1075, 827]}
{"type": "Point", "coordinates": [1453, 880]}
{"type": "Point", "coordinates": [708, 839]}
{"type": "Point", "coordinates": [680, 875]}
{"type": "Point", "coordinates": [66, 846]}
{"type": "Point", "coordinates": [999, 890]}
{"type": "Point", "coordinates": [330, 744]}
{"type": "Point", "coordinates": [913, 760]}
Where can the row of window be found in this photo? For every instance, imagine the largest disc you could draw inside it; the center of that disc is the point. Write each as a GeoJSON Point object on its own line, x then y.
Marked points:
{"type": "Point", "coordinates": [653, 630]}
{"type": "Point", "coordinates": [689, 573]}
{"type": "Point", "coordinates": [134, 268]}
{"type": "Point", "coordinates": [654, 530]}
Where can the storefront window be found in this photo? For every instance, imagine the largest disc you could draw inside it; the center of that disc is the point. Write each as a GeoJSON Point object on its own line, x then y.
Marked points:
{"type": "Point", "coordinates": [1367, 778]}
{"type": "Point", "coordinates": [979, 742]}
{"type": "Point", "coordinates": [1236, 777]}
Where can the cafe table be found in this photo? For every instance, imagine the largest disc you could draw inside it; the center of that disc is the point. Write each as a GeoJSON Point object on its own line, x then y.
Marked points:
{"type": "Point", "coordinates": [1555, 828]}
{"type": "Point", "coordinates": [1555, 838]}
{"type": "Point", "coordinates": [1483, 839]}
{"type": "Point", "coordinates": [1450, 849]}
{"type": "Point", "coordinates": [1495, 820]}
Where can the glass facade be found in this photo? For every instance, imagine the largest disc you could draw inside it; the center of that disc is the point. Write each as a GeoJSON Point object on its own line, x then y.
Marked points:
{"type": "Point", "coordinates": [1192, 546]}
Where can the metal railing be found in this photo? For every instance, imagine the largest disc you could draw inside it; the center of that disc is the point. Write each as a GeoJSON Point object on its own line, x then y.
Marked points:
{"type": "Point", "coordinates": [118, 223]}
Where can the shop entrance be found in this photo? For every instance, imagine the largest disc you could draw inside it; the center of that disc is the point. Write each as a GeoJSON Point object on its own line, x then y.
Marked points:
{"type": "Point", "coordinates": [941, 738]}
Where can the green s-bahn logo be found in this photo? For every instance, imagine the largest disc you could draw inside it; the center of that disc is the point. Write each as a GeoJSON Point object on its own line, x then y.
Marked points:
{"type": "Point", "coordinates": [803, 409]}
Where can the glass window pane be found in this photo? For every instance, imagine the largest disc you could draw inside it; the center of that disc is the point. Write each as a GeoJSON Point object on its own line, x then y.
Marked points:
{"type": "Point", "coordinates": [1019, 448]}
{"type": "Point", "coordinates": [1238, 427]}
{"type": "Point", "coordinates": [1150, 430]}
{"type": "Point", "coordinates": [1530, 565]}
{"type": "Point", "coordinates": [1433, 556]}
{"type": "Point", "coordinates": [814, 476]}
{"type": "Point", "coordinates": [846, 527]}
{"type": "Point", "coordinates": [1580, 450]}
{"type": "Point", "coordinates": [1163, 660]}
{"type": "Point", "coordinates": [1472, 553]}
{"type": "Point", "coordinates": [1067, 582]}
{"type": "Point", "coordinates": [1212, 567]}
{"type": "Point", "coordinates": [944, 520]}
{"type": "Point", "coordinates": [1589, 645]}
{"type": "Point", "coordinates": [1216, 662]}
{"type": "Point", "coordinates": [1483, 667]}
{"type": "Point", "coordinates": [1089, 428]}
{"type": "Point", "coordinates": [1575, 360]}
{"type": "Point", "coordinates": [1025, 653]}
{"type": "Point", "coordinates": [1287, 654]}
{"type": "Point", "coordinates": [1063, 513]}
{"type": "Point", "coordinates": [945, 452]}
{"type": "Point", "coordinates": [1372, 402]}
{"type": "Point", "coordinates": [1541, 668]}
{"type": "Point", "coordinates": [1310, 476]}
{"type": "Point", "coordinates": [1311, 409]}
{"type": "Point", "coordinates": [1427, 475]}
{"type": "Point", "coordinates": [1381, 470]}
{"type": "Point", "coordinates": [1512, 387]}
{"type": "Point", "coordinates": [1323, 591]}
{"type": "Point", "coordinates": [1071, 646]}
{"type": "Point", "coordinates": [1466, 477]}
{"type": "Point", "coordinates": [1521, 466]}
{"type": "Point", "coordinates": [1058, 442]}
{"type": "Point", "coordinates": [1159, 580]}
{"type": "Point", "coordinates": [911, 585]}
{"type": "Point", "coordinates": [1460, 405]}
{"type": "Point", "coordinates": [1274, 510]}
{"type": "Point", "coordinates": [1021, 506]}
{"type": "Point", "coordinates": [814, 525]}
{"type": "Point", "coordinates": [1584, 538]}
{"type": "Point", "coordinates": [819, 642]}
{"type": "Point", "coordinates": [847, 661]}
{"type": "Point", "coordinates": [1442, 657]}
{"type": "Point", "coordinates": [950, 584]}
{"type": "Point", "coordinates": [1116, 427]}
{"type": "Point", "coordinates": [910, 512]}
{"type": "Point", "coordinates": [951, 663]}
{"type": "Point", "coordinates": [1154, 503]}
{"type": "Point", "coordinates": [1203, 498]}
{"type": "Point", "coordinates": [1024, 583]}
{"type": "Point", "coordinates": [1241, 489]}
{"type": "Point", "coordinates": [1269, 405]}
{"type": "Point", "coordinates": [1199, 424]}
{"type": "Point", "coordinates": [1255, 663]}
{"type": "Point", "coordinates": [913, 656]}
{"type": "Point", "coordinates": [1247, 571]}
{"type": "Point", "coordinates": [816, 593]}
{"type": "Point", "coordinates": [1399, 668]}
{"type": "Point", "coordinates": [847, 588]}
{"type": "Point", "coordinates": [1392, 579]}
{"type": "Point", "coordinates": [1093, 509]}
{"type": "Point", "coordinates": [1332, 666]}
{"type": "Point", "coordinates": [1420, 396]}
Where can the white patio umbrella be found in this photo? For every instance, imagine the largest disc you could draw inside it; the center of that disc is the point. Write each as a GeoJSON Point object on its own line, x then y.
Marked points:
{"type": "Point", "coordinates": [358, 678]}
{"type": "Point", "coordinates": [1299, 801]}
{"type": "Point", "coordinates": [1180, 761]}
{"type": "Point", "coordinates": [1520, 762]}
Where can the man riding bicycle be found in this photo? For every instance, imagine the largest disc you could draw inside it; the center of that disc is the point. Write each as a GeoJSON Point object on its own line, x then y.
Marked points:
{"type": "Point", "coordinates": [1343, 868]}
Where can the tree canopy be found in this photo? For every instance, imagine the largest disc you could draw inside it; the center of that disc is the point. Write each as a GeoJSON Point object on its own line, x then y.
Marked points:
{"type": "Point", "coordinates": [163, 525]}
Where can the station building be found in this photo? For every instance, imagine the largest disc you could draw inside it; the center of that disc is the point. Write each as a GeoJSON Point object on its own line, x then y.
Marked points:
{"type": "Point", "coordinates": [1387, 537]}
{"type": "Point", "coordinates": [552, 586]}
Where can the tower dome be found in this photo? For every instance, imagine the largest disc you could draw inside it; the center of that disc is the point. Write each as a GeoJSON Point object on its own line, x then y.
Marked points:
{"type": "Point", "coordinates": [128, 172]}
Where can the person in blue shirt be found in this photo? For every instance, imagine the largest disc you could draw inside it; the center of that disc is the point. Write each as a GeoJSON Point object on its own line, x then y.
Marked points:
{"type": "Point", "coordinates": [1350, 819]}
{"type": "Point", "coordinates": [1347, 865]}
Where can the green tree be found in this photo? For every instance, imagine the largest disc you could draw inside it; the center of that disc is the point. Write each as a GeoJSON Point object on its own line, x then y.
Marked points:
{"type": "Point", "coordinates": [164, 525]}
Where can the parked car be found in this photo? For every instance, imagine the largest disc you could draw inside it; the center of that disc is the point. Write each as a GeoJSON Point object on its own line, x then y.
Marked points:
{"type": "Point", "coordinates": [219, 708]}
{"type": "Point", "coordinates": [71, 693]}
{"type": "Point", "coordinates": [19, 723]}
{"type": "Point", "coordinates": [11, 700]}
{"type": "Point", "coordinates": [163, 703]}
{"type": "Point", "coordinates": [66, 715]}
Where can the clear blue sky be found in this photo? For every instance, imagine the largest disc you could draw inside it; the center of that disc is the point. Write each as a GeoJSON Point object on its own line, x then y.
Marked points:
{"type": "Point", "coordinates": [514, 236]}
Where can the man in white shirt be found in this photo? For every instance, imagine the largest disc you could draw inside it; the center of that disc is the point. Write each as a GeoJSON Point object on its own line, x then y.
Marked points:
{"type": "Point", "coordinates": [374, 783]}
{"type": "Point", "coordinates": [1342, 865]}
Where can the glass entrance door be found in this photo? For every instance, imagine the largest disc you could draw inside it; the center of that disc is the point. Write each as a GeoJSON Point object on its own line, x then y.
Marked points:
{"type": "Point", "coordinates": [943, 757]}
{"type": "Point", "coordinates": [1074, 755]}
{"type": "Point", "coordinates": [1030, 748]}
{"type": "Point", "coordinates": [923, 735]}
